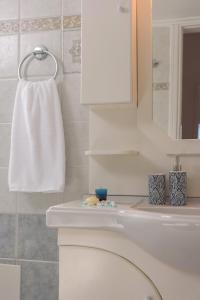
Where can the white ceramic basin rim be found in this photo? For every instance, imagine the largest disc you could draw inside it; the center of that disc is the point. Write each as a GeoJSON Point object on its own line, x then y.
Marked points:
{"type": "Point", "coordinates": [171, 234]}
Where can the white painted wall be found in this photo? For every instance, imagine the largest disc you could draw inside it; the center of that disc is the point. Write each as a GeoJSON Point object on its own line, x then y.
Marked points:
{"type": "Point", "coordinates": [129, 175]}
{"type": "Point", "coordinates": [161, 73]}
{"type": "Point", "coordinates": [9, 282]}
{"type": "Point", "coordinates": [170, 9]}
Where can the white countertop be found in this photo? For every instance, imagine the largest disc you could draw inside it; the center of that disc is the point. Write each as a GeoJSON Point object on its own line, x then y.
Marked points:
{"type": "Point", "coordinates": [73, 214]}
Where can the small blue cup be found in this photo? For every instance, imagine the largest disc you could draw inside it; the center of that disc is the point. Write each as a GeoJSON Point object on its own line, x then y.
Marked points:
{"type": "Point", "coordinates": [101, 194]}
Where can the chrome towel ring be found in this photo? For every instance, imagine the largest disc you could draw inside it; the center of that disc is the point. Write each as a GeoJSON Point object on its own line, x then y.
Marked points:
{"type": "Point", "coordinates": [40, 53]}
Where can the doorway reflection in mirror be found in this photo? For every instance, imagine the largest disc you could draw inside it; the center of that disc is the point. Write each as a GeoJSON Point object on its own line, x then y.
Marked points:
{"type": "Point", "coordinates": [176, 79]}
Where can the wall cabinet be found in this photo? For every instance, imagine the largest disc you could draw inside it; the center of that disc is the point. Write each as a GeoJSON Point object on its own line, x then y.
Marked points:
{"type": "Point", "coordinates": [94, 274]}
{"type": "Point", "coordinates": [109, 61]}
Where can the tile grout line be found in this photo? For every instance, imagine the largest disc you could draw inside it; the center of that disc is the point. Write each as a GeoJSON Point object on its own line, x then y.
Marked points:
{"type": "Point", "coordinates": [16, 194]}
{"type": "Point", "coordinates": [17, 228]}
{"type": "Point", "coordinates": [29, 260]}
{"type": "Point", "coordinates": [62, 57]}
{"type": "Point", "coordinates": [11, 78]}
{"type": "Point", "coordinates": [38, 261]}
{"type": "Point", "coordinates": [2, 79]}
{"type": "Point", "coordinates": [19, 33]}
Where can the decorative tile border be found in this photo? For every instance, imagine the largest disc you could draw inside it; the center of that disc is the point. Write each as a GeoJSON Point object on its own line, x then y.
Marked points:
{"type": "Point", "coordinates": [71, 22]}
{"type": "Point", "coordinates": [9, 27]}
{"type": "Point", "coordinates": [161, 86]}
{"type": "Point", "coordinates": [39, 24]}
{"type": "Point", "coordinates": [75, 51]}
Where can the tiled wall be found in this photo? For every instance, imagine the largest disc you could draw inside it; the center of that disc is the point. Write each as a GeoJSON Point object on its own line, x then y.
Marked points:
{"type": "Point", "coordinates": [24, 237]}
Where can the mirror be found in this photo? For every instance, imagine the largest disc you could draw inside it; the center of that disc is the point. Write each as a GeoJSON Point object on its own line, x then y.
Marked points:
{"type": "Point", "coordinates": [176, 67]}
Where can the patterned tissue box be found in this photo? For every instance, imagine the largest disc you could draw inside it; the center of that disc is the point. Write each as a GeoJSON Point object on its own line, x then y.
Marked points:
{"type": "Point", "coordinates": [157, 189]}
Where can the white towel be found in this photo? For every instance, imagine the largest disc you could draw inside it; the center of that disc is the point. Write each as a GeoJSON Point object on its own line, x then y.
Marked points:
{"type": "Point", "coordinates": [37, 155]}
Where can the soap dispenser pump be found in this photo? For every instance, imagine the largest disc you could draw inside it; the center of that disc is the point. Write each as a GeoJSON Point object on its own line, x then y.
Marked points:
{"type": "Point", "coordinates": [177, 184]}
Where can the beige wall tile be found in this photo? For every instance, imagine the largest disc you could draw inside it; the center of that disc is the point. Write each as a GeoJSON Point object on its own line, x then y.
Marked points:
{"type": "Point", "coordinates": [72, 51]}
{"type": "Point", "coordinates": [8, 9]}
{"type": "Point", "coordinates": [52, 40]}
{"type": "Point", "coordinates": [8, 200]}
{"type": "Point", "coordinates": [5, 144]}
{"type": "Point", "coordinates": [72, 110]}
{"type": "Point", "coordinates": [77, 133]}
{"type": "Point", "coordinates": [9, 56]}
{"type": "Point", "coordinates": [7, 96]}
{"type": "Point", "coordinates": [37, 203]}
{"type": "Point", "coordinates": [38, 8]}
{"type": "Point", "coordinates": [71, 7]}
{"type": "Point", "coordinates": [76, 183]}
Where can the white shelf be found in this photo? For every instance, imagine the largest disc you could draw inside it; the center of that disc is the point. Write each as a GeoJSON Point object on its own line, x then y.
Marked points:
{"type": "Point", "coordinates": [183, 154]}
{"type": "Point", "coordinates": [99, 107]}
{"type": "Point", "coordinates": [111, 152]}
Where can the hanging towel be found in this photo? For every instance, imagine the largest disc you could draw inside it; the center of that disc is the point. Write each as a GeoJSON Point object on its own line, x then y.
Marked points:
{"type": "Point", "coordinates": [37, 155]}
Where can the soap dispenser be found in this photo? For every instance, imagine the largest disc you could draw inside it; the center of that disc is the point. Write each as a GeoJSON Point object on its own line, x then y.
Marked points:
{"type": "Point", "coordinates": [178, 185]}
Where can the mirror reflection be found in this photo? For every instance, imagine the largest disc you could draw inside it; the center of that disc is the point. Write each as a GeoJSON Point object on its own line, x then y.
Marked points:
{"type": "Point", "coordinates": [176, 67]}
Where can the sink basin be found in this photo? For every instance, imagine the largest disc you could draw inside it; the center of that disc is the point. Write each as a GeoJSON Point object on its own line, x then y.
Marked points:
{"type": "Point", "coordinates": [171, 234]}
{"type": "Point", "coordinates": [170, 210]}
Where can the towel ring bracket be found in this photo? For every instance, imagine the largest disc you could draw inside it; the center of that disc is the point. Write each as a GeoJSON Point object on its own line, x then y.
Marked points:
{"type": "Point", "coordinates": [40, 53]}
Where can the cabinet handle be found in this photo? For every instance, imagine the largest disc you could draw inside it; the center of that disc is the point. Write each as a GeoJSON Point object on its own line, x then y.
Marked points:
{"type": "Point", "coordinates": [148, 298]}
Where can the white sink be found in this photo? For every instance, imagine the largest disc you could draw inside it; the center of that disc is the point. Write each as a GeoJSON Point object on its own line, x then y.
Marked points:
{"type": "Point", "coordinates": [172, 210]}
{"type": "Point", "coordinates": [171, 234]}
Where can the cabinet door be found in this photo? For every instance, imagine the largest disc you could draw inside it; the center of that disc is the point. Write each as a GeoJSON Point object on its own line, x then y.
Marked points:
{"type": "Point", "coordinates": [93, 274]}
{"type": "Point", "coordinates": [108, 51]}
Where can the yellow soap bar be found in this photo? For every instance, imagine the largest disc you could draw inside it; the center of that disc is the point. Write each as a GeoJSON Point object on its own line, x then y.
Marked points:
{"type": "Point", "coordinates": [91, 201]}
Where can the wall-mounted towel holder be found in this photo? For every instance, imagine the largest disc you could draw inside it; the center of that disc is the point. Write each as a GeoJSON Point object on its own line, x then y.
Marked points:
{"type": "Point", "coordinates": [40, 53]}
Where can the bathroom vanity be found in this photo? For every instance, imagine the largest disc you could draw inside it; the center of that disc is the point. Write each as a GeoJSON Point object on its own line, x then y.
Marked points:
{"type": "Point", "coordinates": [134, 251]}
